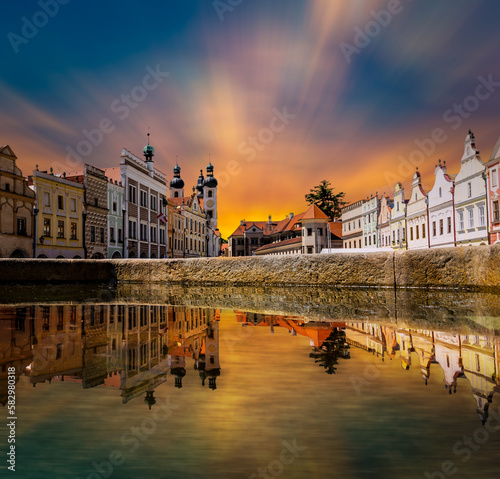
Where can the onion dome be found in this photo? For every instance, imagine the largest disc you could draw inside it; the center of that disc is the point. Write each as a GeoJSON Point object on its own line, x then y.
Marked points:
{"type": "Point", "coordinates": [199, 185]}
{"type": "Point", "coordinates": [210, 181]}
{"type": "Point", "coordinates": [177, 181]}
{"type": "Point", "coordinates": [148, 151]}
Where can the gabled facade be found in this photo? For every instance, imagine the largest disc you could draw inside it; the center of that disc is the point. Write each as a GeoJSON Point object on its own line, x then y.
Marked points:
{"type": "Point", "coordinates": [493, 195]}
{"type": "Point", "coordinates": [398, 219]}
{"type": "Point", "coordinates": [16, 209]}
{"type": "Point", "coordinates": [384, 222]}
{"type": "Point", "coordinates": [371, 211]}
{"type": "Point", "coordinates": [441, 210]}
{"type": "Point", "coordinates": [470, 197]}
{"type": "Point", "coordinates": [416, 215]}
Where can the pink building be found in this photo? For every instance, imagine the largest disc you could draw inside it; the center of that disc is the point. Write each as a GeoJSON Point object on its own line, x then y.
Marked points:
{"type": "Point", "coordinates": [493, 192]}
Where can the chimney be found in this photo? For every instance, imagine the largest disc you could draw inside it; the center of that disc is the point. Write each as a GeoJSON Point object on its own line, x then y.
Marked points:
{"type": "Point", "coordinates": [242, 222]}
{"type": "Point", "coordinates": [270, 221]}
{"type": "Point", "coordinates": [290, 216]}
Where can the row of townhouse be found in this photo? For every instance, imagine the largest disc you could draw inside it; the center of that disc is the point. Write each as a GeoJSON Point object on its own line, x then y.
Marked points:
{"type": "Point", "coordinates": [459, 210]}
{"type": "Point", "coordinates": [129, 211]}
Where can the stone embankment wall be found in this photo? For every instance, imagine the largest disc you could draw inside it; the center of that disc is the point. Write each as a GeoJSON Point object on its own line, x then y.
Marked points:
{"type": "Point", "coordinates": [472, 267]}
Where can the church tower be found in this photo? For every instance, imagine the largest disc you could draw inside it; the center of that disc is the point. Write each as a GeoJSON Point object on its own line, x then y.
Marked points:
{"type": "Point", "coordinates": [210, 196]}
{"type": "Point", "coordinates": [177, 184]}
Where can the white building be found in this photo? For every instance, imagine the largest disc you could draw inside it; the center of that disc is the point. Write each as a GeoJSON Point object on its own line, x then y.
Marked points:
{"type": "Point", "coordinates": [371, 210]}
{"type": "Point", "coordinates": [441, 214]}
{"type": "Point", "coordinates": [416, 215]}
{"type": "Point", "coordinates": [493, 194]}
{"type": "Point", "coordinates": [384, 222]}
{"type": "Point", "coordinates": [470, 197]}
{"type": "Point", "coordinates": [352, 225]}
{"type": "Point", "coordinates": [145, 200]}
{"type": "Point", "coordinates": [398, 218]}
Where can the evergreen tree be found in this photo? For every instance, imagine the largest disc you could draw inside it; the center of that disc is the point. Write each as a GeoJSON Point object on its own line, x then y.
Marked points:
{"type": "Point", "coordinates": [326, 200]}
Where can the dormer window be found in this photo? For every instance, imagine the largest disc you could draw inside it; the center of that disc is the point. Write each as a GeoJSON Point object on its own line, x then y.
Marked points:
{"type": "Point", "coordinates": [440, 192]}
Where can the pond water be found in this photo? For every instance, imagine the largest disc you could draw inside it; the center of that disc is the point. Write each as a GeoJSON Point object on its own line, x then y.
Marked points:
{"type": "Point", "coordinates": [207, 383]}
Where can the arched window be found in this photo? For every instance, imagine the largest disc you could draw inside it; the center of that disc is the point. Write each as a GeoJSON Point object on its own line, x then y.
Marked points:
{"type": "Point", "coordinates": [210, 193]}
{"type": "Point", "coordinates": [176, 194]}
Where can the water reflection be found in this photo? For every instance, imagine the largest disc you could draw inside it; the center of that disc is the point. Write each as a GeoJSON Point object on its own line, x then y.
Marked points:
{"type": "Point", "coordinates": [471, 357]}
{"type": "Point", "coordinates": [135, 347]}
{"type": "Point", "coordinates": [130, 347]}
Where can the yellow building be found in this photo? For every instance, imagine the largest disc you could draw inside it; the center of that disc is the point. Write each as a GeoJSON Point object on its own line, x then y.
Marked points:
{"type": "Point", "coordinates": [16, 209]}
{"type": "Point", "coordinates": [60, 219]}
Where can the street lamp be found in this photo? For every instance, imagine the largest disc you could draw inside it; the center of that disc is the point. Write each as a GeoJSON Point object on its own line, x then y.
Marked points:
{"type": "Point", "coordinates": [35, 219]}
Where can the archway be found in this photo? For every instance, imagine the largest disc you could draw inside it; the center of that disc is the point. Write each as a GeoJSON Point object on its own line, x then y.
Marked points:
{"type": "Point", "coordinates": [153, 256]}
{"type": "Point", "coordinates": [116, 255]}
{"type": "Point", "coordinates": [143, 255]}
{"type": "Point", "coordinates": [42, 256]}
{"type": "Point", "coordinates": [97, 256]}
{"type": "Point", "coordinates": [60, 257]}
{"type": "Point", "coordinates": [19, 253]}
{"type": "Point", "coordinates": [77, 257]}
{"type": "Point", "coordinates": [132, 255]}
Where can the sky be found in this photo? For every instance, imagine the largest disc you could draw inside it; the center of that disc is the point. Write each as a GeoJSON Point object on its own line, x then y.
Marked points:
{"type": "Point", "coordinates": [278, 95]}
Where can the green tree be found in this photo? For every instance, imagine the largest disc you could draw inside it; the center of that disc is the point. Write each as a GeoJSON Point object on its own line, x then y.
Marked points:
{"type": "Point", "coordinates": [326, 200]}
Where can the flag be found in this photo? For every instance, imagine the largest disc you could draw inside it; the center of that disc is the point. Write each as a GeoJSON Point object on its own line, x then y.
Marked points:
{"type": "Point", "coordinates": [162, 218]}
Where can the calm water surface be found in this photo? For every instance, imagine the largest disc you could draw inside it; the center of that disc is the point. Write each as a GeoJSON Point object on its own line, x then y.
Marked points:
{"type": "Point", "coordinates": [132, 389]}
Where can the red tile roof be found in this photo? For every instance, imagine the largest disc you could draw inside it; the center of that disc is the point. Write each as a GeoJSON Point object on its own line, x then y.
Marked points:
{"type": "Point", "coordinates": [263, 225]}
{"type": "Point", "coordinates": [336, 228]}
{"type": "Point", "coordinates": [314, 213]}
{"type": "Point", "coordinates": [280, 243]}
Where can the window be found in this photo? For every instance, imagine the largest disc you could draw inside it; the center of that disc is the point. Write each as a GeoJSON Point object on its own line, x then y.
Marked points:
{"type": "Point", "coordinates": [7, 187]}
{"type": "Point", "coordinates": [46, 227]}
{"type": "Point", "coordinates": [144, 198]}
{"type": "Point", "coordinates": [153, 202]}
{"type": "Point", "coordinates": [480, 210]}
{"type": "Point", "coordinates": [120, 235]}
{"type": "Point", "coordinates": [132, 230]}
{"type": "Point", "coordinates": [21, 226]}
{"type": "Point", "coordinates": [461, 225]}
{"type": "Point", "coordinates": [423, 231]}
{"type": "Point", "coordinates": [96, 202]}
{"type": "Point", "coordinates": [210, 194]}
{"type": "Point", "coordinates": [469, 189]}
{"type": "Point", "coordinates": [162, 236]}
{"type": "Point", "coordinates": [102, 235]}
{"type": "Point", "coordinates": [309, 231]}
{"type": "Point", "coordinates": [153, 234]}
{"type": "Point", "coordinates": [441, 226]}
{"type": "Point", "coordinates": [496, 211]}
{"type": "Point", "coordinates": [309, 250]}
{"type": "Point", "coordinates": [46, 199]}
{"type": "Point", "coordinates": [415, 196]}
{"type": "Point", "coordinates": [440, 192]}
{"type": "Point", "coordinates": [471, 218]}
{"type": "Point", "coordinates": [73, 230]}
{"type": "Point", "coordinates": [72, 203]}
{"type": "Point", "coordinates": [494, 178]}
{"type": "Point", "coordinates": [115, 207]}
{"type": "Point", "coordinates": [60, 229]}
{"type": "Point", "coordinates": [359, 223]}
{"type": "Point", "coordinates": [434, 228]}
{"type": "Point", "coordinates": [417, 232]}
{"type": "Point", "coordinates": [132, 194]}
{"type": "Point", "coordinates": [144, 232]}
{"type": "Point", "coordinates": [111, 234]}
{"type": "Point", "coordinates": [60, 202]}
{"type": "Point", "coordinates": [411, 233]}
{"type": "Point", "coordinates": [449, 224]}
{"type": "Point", "coordinates": [92, 234]}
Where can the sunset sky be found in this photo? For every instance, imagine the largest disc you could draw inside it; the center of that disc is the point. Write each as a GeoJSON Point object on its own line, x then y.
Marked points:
{"type": "Point", "coordinates": [356, 103]}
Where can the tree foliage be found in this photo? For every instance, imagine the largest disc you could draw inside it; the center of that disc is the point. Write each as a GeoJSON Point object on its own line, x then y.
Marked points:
{"type": "Point", "coordinates": [326, 200]}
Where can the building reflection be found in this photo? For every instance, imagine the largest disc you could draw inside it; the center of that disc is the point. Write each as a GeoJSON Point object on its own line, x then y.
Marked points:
{"type": "Point", "coordinates": [131, 347]}
{"type": "Point", "coordinates": [136, 347]}
{"type": "Point", "coordinates": [472, 358]}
